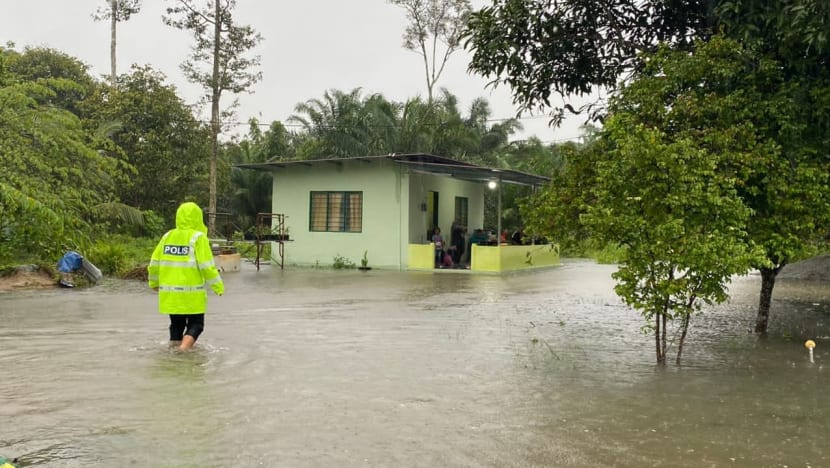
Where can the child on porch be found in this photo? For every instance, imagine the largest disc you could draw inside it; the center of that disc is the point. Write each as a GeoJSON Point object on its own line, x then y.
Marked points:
{"type": "Point", "coordinates": [439, 246]}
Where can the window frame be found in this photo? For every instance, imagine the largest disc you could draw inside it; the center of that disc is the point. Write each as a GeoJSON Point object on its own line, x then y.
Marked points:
{"type": "Point", "coordinates": [345, 211]}
{"type": "Point", "coordinates": [462, 210]}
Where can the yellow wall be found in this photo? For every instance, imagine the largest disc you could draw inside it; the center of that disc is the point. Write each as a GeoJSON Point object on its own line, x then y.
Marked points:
{"type": "Point", "coordinates": [512, 257]}
{"type": "Point", "coordinates": [421, 256]}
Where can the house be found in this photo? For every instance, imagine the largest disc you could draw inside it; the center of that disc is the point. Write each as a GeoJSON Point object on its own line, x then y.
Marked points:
{"type": "Point", "coordinates": [385, 207]}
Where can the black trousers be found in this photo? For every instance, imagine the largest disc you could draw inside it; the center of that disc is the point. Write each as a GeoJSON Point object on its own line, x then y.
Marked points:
{"type": "Point", "coordinates": [191, 324]}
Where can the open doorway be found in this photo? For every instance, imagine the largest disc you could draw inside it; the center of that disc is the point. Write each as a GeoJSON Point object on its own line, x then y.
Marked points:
{"type": "Point", "coordinates": [432, 212]}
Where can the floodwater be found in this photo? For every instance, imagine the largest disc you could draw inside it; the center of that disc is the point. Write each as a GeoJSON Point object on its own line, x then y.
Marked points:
{"type": "Point", "coordinates": [323, 368]}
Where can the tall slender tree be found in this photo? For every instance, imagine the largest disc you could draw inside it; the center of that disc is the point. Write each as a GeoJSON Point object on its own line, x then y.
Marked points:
{"type": "Point", "coordinates": [222, 46]}
{"type": "Point", "coordinates": [432, 22]}
{"type": "Point", "coordinates": [116, 11]}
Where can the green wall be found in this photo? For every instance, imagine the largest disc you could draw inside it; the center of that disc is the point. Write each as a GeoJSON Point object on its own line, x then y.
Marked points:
{"type": "Point", "coordinates": [448, 188]}
{"type": "Point", "coordinates": [384, 226]}
{"type": "Point", "coordinates": [392, 215]}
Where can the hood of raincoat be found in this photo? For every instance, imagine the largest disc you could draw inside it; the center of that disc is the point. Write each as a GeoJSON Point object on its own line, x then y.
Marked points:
{"type": "Point", "coordinates": [189, 216]}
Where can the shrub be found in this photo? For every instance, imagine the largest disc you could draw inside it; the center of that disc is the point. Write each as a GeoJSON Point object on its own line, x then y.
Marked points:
{"type": "Point", "coordinates": [154, 224]}
{"type": "Point", "coordinates": [341, 263]}
{"type": "Point", "coordinates": [110, 257]}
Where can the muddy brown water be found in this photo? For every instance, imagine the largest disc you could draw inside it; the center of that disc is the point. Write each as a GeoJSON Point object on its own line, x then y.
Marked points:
{"type": "Point", "coordinates": [307, 368]}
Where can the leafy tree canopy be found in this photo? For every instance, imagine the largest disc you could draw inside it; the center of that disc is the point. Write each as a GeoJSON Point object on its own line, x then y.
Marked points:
{"type": "Point", "coordinates": [154, 131]}
{"type": "Point", "coordinates": [52, 173]}
{"type": "Point", "coordinates": [348, 124]}
{"type": "Point", "coordinates": [571, 48]}
{"type": "Point", "coordinates": [545, 48]}
{"type": "Point", "coordinates": [36, 63]}
{"type": "Point", "coordinates": [708, 152]}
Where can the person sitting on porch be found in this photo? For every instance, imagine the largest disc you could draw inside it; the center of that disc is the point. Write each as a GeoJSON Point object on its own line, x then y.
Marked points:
{"type": "Point", "coordinates": [439, 246]}
{"type": "Point", "coordinates": [457, 236]}
{"type": "Point", "coordinates": [518, 236]}
{"type": "Point", "coordinates": [478, 237]}
{"type": "Point", "coordinates": [446, 261]}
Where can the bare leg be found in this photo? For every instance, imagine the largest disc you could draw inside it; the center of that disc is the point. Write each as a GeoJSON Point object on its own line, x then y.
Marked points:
{"type": "Point", "coordinates": [187, 342]}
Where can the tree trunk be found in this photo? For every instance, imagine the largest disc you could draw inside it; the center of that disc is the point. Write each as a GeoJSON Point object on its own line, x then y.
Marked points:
{"type": "Point", "coordinates": [663, 342]}
{"type": "Point", "coordinates": [767, 284]}
{"type": "Point", "coordinates": [113, 25]}
{"type": "Point", "coordinates": [684, 328]}
{"type": "Point", "coordinates": [215, 126]}
{"type": "Point", "coordinates": [659, 345]}
{"type": "Point", "coordinates": [430, 83]}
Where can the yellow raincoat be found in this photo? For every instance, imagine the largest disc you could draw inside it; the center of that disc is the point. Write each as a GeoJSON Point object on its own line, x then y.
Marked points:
{"type": "Point", "coordinates": [182, 265]}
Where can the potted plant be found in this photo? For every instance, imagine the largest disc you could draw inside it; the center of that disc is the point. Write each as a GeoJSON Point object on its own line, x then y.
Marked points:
{"type": "Point", "coordinates": [364, 262]}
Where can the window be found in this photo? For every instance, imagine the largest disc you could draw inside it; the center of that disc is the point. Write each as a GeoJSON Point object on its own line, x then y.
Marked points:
{"type": "Point", "coordinates": [461, 210]}
{"type": "Point", "coordinates": [336, 212]}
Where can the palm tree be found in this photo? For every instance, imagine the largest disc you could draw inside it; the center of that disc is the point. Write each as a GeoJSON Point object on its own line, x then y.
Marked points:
{"type": "Point", "coordinates": [333, 124]}
{"type": "Point", "coordinates": [250, 190]}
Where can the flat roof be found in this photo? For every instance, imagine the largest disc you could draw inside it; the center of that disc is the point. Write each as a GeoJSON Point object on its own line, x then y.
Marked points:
{"type": "Point", "coordinates": [420, 163]}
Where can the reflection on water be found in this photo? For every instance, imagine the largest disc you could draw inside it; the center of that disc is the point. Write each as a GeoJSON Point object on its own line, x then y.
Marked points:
{"type": "Point", "coordinates": [333, 368]}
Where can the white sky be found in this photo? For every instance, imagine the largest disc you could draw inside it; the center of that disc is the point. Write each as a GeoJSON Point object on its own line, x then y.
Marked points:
{"type": "Point", "coordinates": [308, 47]}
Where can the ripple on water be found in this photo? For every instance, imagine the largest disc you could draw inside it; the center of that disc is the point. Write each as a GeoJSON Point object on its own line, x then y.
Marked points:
{"type": "Point", "coordinates": [313, 368]}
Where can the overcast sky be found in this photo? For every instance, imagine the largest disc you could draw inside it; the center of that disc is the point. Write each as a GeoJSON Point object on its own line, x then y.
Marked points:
{"type": "Point", "coordinates": [308, 46]}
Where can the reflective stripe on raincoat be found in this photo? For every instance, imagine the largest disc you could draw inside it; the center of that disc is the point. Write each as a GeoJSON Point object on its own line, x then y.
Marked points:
{"type": "Point", "coordinates": [182, 265]}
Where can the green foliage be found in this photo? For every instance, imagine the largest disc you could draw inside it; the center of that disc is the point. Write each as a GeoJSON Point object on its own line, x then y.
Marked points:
{"type": "Point", "coordinates": [154, 225]}
{"type": "Point", "coordinates": [346, 124]}
{"type": "Point", "coordinates": [119, 254]}
{"type": "Point", "coordinates": [795, 30]}
{"type": "Point", "coordinates": [44, 65]}
{"type": "Point", "coordinates": [219, 63]}
{"type": "Point", "coordinates": [110, 257]}
{"type": "Point", "coordinates": [157, 135]}
{"type": "Point", "coordinates": [541, 48]}
{"type": "Point", "coordinates": [250, 191]}
{"type": "Point", "coordinates": [762, 130]}
{"type": "Point", "coordinates": [118, 11]}
{"type": "Point", "coordinates": [769, 127]}
{"type": "Point", "coordinates": [27, 227]}
{"type": "Point", "coordinates": [52, 172]}
{"type": "Point", "coordinates": [364, 262]}
{"type": "Point", "coordinates": [117, 215]}
{"type": "Point", "coordinates": [556, 211]}
{"type": "Point", "coordinates": [608, 254]}
{"type": "Point", "coordinates": [342, 263]}
{"type": "Point", "coordinates": [349, 124]}
{"type": "Point", "coordinates": [682, 223]}
{"type": "Point", "coordinates": [711, 167]}
{"type": "Point", "coordinates": [139, 249]}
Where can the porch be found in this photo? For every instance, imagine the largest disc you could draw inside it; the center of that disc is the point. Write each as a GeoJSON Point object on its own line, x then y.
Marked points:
{"type": "Point", "coordinates": [489, 258]}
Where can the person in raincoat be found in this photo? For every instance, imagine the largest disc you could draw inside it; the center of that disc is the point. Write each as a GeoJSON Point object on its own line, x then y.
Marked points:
{"type": "Point", "coordinates": [180, 269]}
